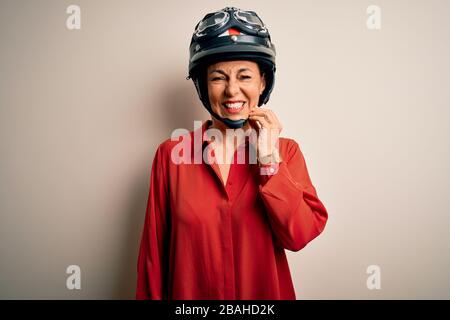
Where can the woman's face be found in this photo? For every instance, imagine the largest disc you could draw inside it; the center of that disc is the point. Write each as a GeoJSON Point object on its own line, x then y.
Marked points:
{"type": "Point", "coordinates": [234, 88]}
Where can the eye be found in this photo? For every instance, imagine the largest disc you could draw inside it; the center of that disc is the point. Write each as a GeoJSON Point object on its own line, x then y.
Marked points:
{"type": "Point", "coordinates": [216, 78]}
{"type": "Point", "coordinates": [246, 77]}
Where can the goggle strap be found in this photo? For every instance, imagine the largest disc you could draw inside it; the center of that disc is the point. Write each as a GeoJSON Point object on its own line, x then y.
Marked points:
{"type": "Point", "coordinates": [235, 39]}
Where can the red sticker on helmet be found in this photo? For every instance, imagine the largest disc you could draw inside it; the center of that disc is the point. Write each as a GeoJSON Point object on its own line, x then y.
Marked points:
{"type": "Point", "coordinates": [232, 31]}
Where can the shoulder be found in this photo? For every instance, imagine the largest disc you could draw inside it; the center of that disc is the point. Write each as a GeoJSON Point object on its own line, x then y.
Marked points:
{"type": "Point", "coordinates": [166, 147]}
{"type": "Point", "coordinates": [288, 147]}
{"type": "Point", "coordinates": [164, 150]}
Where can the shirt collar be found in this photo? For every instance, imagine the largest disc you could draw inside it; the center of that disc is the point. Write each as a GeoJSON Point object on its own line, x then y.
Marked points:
{"type": "Point", "coordinates": [199, 134]}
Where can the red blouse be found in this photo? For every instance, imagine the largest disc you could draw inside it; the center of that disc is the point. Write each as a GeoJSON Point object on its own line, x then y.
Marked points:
{"type": "Point", "coordinates": [204, 240]}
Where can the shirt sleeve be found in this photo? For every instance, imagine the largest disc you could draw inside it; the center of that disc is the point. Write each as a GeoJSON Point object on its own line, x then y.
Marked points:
{"type": "Point", "coordinates": [152, 263]}
{"type": "Point", "coordinates": [295, 213]}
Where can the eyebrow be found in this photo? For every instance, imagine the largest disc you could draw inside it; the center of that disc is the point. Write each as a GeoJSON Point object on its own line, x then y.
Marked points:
{"type": "Point", "coordinates": [223, 72]}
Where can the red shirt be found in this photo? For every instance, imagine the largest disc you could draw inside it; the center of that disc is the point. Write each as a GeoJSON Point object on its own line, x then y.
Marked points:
{"type": "Point", "coordinates": [204, 240]}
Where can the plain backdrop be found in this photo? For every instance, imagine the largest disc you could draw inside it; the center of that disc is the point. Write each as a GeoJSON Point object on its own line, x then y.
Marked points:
{"type": "Point", "coordinates": [83, 111]}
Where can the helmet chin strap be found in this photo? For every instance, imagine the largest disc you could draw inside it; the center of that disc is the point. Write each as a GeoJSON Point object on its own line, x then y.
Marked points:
{"type": "Point", "coordinates": [233, 124]}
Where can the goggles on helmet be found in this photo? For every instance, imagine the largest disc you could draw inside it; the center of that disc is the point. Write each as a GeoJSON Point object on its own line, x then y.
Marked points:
{"type": "Point", "coordinates": [215, 23]}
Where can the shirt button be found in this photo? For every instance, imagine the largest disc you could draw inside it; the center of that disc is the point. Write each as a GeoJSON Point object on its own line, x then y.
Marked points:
{"type": "Point", "coordinates": [272, 170]}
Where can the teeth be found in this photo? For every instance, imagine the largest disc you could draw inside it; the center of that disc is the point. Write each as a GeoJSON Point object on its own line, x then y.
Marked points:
{"type": "Point", "coordinates": [235, 105]}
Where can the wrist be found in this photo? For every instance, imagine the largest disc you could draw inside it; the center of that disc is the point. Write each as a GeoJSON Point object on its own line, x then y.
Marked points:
{"type": "Point", "coordinates": [270, 159]}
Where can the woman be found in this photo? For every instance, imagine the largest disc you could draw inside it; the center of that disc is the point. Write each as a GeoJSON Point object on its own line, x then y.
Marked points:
{"type": "Point", "coordinates": [218, 229]}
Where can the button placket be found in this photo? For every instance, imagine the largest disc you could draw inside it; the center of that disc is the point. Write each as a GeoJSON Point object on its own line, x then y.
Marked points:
{"type": "Point", "coordinates": [227, 246]}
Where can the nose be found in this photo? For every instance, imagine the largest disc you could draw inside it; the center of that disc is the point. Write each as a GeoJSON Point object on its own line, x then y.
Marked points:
{"type": "Point", "coordinates": [232, 88]}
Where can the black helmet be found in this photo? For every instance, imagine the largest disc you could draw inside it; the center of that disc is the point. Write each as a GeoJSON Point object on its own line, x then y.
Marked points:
{"type": "Point", "coordinates": [230, 34]}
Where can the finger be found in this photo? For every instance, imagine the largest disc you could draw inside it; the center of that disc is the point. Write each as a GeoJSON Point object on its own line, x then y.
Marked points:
{"type": "Point", "coordinates": [275, 118]}
{"type": "Point", "coordinates": [262, 120]}
{"type": "Point", "coordinates": [270, 116]}
{"type": "Point", "coordinates": [266, 114]}
{"type": "Point", "coordinates": [254, 123]}
{"type": "Point", "coordinates": [259, 111]}
{"type": "Point", "coordinates": [265, 120]}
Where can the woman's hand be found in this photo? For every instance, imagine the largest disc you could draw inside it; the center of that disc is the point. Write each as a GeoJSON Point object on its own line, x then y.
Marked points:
{"type": "Point", "coordinates": [266, 123]}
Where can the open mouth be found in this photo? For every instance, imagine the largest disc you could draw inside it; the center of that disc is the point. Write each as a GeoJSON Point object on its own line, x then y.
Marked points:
{"type": "Point", "coordinates": [234, 107]}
